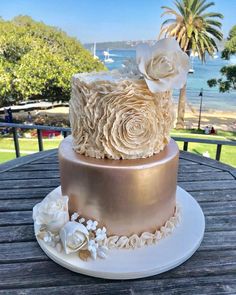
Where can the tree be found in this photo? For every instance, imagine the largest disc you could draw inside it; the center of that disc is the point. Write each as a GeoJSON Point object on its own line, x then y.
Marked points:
{"type": "Point", "coordinates": [196, 30]}
{"type": "Point", "coordinates": [228, 80]}
{"type": "Point", "coordinates": [37, 61]}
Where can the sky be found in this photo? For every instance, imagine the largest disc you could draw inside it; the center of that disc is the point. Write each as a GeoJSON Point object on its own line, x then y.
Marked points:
{"type": "Point", "coordinates": [103, 20]}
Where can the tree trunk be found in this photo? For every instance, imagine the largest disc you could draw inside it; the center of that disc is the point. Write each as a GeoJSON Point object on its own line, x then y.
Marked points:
{"type": "Point", "coordinates": [181, 108]}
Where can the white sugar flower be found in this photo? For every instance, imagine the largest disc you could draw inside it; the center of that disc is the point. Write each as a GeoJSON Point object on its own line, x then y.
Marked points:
{"type": "Point", "coordinates": [102, 252]}
{"type": "Point", "coordinates": [82, 220]}
{"type": "Point", "coordinates": [92, 247]}
{"type": "Point", "coordinates": [101, 234]}
{"type": "Point", "coordinates": [47, 237]}
{"type": "Point", "coordinates": [51, 213]}
{"type": "Point", "coordinates": [164, 65]}
{"type": "Point", "coordinates": [74, 216]}
{"type": "Point", "coordinates": [74, 236]}
{"type": "Point", "coordinates": [91, 225]}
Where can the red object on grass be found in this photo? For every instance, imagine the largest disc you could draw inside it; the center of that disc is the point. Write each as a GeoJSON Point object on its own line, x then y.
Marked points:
{"type": "Point", "coordinates": [50, 133]}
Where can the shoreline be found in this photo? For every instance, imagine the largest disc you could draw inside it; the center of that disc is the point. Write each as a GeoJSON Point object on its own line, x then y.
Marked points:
{"type": "Point", "coordinates": [221, 120]}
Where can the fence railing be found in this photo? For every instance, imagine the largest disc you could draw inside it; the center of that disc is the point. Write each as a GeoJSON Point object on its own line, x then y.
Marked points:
{"type": "Point", "coordinates": [65, 131]}
{"type": "Point", "coordinates": [15, 127]}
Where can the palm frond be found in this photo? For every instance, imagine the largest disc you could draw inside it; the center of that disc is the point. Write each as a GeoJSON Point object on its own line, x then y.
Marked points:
{"type": "Point", "coordinates": [170, 11]}
{"type": "Point", "coordinates": [204, 7]}
{"type": "Point", "coordinates": [213, 23]}
{"type": "Point", "coordinates": [186, 44]}
{"type": "Point", "coordinates": [218, 35]}
{"type": "Point", "coordinates": [180, 34]}
{"type": "Point", "coordinates": [195, 32]}
{"type": "Point", "coordinates": [172, 29]}
{"type": "Point", "coordinates": [162, 32]}
{"type": "Point", "coordinates": [210, 45]}
{"type": "Point", "coordinates": [202, 49]}
{"type": "Point", "coordinates": [169, 30]}
{"type": "Point", "coordinates": [199, 4]}
{"type": "Point", "coordinates": [212, 14]}
{"type": "Point", "coordinates": [166, 7]}
{"type": "Point", "coordinates": [180, 7]}
{"type": "Point", "coordinates": [168, 21]}
{"type": "Point", "coordinates": [195, 4]}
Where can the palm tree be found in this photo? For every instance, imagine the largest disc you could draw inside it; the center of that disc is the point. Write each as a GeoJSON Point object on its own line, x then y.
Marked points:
{"type": "Point", "coordinates": [196, 30]}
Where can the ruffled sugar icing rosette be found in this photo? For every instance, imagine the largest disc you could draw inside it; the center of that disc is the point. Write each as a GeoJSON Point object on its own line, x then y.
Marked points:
{"type": "Point", "coordinates": [164, 65]}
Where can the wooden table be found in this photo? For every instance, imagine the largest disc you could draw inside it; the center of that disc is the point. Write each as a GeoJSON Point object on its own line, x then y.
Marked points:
{"type": "Point", "coordinates": [25, 269]}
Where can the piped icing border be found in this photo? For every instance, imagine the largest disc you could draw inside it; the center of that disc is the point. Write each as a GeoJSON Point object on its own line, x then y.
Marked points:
{"type": "Point", "coordinates": [146, 238]}
{"type": "Point", "coordinates": [75, 234]}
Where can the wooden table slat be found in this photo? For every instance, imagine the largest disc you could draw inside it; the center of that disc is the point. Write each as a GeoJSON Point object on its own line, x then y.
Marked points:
{"type": "Point", "coordinates": [26, 175]}
{"type": "Point", "coordinates": [47, 273]}
{"type": "Point", "coordinates": [214, 195]}
{"type": "Point", "coordinates": [25, 193]}
{"type": "Point", "coordinates": [208, 185]}
{"type": "Point", "coordinates": [223, 284]}
{"type": "Point", "coordinates": [32, 183]}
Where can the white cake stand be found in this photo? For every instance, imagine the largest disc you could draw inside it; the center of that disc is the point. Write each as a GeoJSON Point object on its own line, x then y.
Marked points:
{"type": "Point", "coordinates": [148, 260]}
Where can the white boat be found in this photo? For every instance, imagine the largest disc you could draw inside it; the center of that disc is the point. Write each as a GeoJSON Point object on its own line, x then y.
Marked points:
{"type": "Point", "coordinates": [94, 51]}
{"type": "Point", "coordinates": [107, 58]}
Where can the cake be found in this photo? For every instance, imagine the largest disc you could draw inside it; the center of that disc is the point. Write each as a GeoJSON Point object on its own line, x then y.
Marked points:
{"type": "Point", "coordinates": [119, 165]}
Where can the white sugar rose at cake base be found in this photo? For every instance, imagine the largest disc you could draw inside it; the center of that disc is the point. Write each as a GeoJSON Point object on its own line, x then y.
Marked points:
{"type": "Point", "coordinates": [120, 159]}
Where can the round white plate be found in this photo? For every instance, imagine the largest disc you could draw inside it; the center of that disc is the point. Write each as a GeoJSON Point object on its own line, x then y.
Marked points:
{"type": "Point", "coordinates": [148, 260]}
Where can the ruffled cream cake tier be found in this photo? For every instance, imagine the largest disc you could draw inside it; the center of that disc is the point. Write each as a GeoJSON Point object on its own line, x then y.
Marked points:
{"type": "Point", "coordinates": [126, 196]}
{"type": "Point", "coordinates": [117, 117]}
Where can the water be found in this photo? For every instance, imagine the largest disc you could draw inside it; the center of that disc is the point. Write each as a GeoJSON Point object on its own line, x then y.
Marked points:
{"type": "Point", "coordinates": [212, 99]}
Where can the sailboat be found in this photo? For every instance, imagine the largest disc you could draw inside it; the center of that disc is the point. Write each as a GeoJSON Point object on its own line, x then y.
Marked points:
{"type": "Point", "coordinates": [94, 51]}
{"type": "Point", "coordinates": [107, 58]}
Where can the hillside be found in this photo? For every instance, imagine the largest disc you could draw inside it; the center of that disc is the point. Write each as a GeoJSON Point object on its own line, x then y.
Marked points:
{"type": "Point", "coordinates": [129, 45]}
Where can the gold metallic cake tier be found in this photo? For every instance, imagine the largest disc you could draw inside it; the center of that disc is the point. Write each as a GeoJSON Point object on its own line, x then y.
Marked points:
{"type": "Point", "coordinates": [126, 196]}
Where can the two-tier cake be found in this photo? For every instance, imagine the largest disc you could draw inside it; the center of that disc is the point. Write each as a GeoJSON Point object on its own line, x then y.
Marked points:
{"type": "Point", "coordinates": [119, 166]}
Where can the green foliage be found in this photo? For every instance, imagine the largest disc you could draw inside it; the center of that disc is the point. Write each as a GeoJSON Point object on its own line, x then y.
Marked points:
{"type": "Point", "coordinates": [230, 45]}
{"type": "Point", "coordinates": [228, 80]}
{"type": "Point", "coordinates": [37, 61]}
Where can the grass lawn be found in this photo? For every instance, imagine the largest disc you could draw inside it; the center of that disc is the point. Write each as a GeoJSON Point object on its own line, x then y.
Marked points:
{"type": "Point", "coordinates": [27, 146]}
{"type": "Point", "coordinates": [30, 144]}
{"type": "Point", "coordinates": [7, 156]}
{"type": "Point", "coordinates": [228, 153]}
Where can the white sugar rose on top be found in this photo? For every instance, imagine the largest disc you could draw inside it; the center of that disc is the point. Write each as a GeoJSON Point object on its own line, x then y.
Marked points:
{"type": "Point", "coordinates": [164, 65]}
{"type": "Point", "coordinates": [51, 214]}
